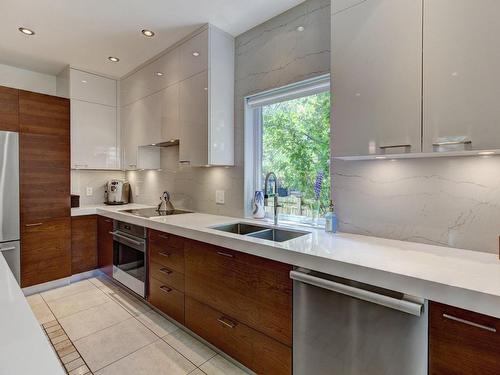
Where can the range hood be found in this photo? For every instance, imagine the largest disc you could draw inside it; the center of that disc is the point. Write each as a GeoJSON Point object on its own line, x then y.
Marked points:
{"type": "Point", "coordinates": [172, 142]}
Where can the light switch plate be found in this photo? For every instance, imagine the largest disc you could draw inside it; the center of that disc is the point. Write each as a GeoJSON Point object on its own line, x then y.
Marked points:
{"type": "Point", "coordinates": [90, 191]}
{"type": "Point", "coordinates": [219, 196]}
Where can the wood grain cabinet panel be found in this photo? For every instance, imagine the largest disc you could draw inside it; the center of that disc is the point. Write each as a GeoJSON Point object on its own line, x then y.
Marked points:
{"type": "Point", "coordinates": [255, 350]}
{"type": "Point", "coordinates": [253, 290]}
{"type": "Point", "coordinates": [44, 157]}
{"type": "Point", "coordinates": [105, 244]}
{"type": "Point", "coordinates": [167, 276]}
{"type": "Point", "coordinates": [83, 243]}
{"type": "Point", "coordinates": [9, 109]}
{"type": "Point", "coordinates": [462, 342]}
{"type": "Point", "coordinates": [167, 299]}
{"type": "Point", "coordinates": [45, 251]}
{"type": "Point", "coordinates": [167, 250]}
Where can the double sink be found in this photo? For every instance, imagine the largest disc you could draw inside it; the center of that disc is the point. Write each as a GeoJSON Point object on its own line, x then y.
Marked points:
{"type": "Point", "coordinates": [258, 231]}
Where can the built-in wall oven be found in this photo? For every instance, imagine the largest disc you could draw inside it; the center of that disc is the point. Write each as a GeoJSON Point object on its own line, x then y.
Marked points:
{"type": "Point", "coordinates": [129, 256]}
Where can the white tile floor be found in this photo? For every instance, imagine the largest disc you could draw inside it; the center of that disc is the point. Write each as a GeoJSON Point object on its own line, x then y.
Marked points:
{"type": "Point", "coordinates": [116, 333]}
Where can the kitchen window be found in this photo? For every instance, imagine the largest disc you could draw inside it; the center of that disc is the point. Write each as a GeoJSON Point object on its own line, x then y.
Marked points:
{"type": "Point", "coordinates": [290, 130]}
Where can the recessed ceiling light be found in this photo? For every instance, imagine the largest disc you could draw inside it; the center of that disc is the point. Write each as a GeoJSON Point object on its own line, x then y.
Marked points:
{"type": "Point", "coordinates": [148, 33]}
{"type": "Point", "coordinates": [301, 28]}
{"type": "Point", "coordinates": [26, 31]}
{"type": "Point", "coordinates": [486, 153]}
{"type": "Point", "coordinates": [114, 59]}
{"type": "Point", "coordinates": [196, 54]}
{"type": "Point", "coordinates": [159, 74]}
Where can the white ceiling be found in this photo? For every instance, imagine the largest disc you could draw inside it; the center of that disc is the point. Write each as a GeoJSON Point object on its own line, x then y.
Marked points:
{"type": "Point", "coordinates": [83, 33]}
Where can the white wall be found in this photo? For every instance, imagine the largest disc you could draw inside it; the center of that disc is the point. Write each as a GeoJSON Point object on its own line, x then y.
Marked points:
{"type": "Point", "coordinates": [27, 80]}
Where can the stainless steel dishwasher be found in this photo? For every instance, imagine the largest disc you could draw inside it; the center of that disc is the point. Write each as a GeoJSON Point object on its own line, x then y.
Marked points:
{"type": "Point", "coordinates": [348, 328]}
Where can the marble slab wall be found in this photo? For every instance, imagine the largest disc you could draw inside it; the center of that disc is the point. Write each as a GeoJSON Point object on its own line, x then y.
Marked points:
{"type": "Point", "coordinates": [270, 55]}
{"type": "Point", "coordinates": [442, 201]}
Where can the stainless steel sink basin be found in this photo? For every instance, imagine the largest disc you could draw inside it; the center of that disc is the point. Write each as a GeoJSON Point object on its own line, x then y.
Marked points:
{"type": "Point", "coordinates": [239, 228]}
{"type": "Point", "coordinates": [257, 231]}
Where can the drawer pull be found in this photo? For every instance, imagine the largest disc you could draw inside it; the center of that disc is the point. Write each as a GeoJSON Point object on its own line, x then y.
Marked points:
{"type": "Point", "coordinates": [33, 225]}
{"type": "Point", "coordinates": [468, 322]}
{"type": "Point", "coordinates": [108, 220]}
{"type": "Point", "coordinates": [164, 254]}
{"type": "Point", "coordinates": [163, 236]}
{"type": "Point", "coordinates": [227, 255]}
{"type": "Point", "coordinates": [227, 322]}
{"type": "Point", "coordinates": [165, 289]}
{"type": "Point", "coordinates": [166, 271]}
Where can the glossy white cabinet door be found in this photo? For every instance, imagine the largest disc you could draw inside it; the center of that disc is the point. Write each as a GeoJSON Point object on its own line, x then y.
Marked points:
{"type": "Point", "coordinates": [376, 77]}
{"type": "Point", "coordinates": [461, 74]}
{"type": "Point", "coordinates": [194, 55]}
{"type": "Point", "coordinates": [92, 88]}
{"type": "Point", "coordinates": [170, 113]}
{"type": "Point", "coordinates": [93, 136]}
{"type": "Point", "coordinates": [193, 113]}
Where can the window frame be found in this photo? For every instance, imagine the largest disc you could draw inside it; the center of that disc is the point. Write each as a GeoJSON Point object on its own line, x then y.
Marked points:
{"type": "Point", "coordinates": [253, 127]}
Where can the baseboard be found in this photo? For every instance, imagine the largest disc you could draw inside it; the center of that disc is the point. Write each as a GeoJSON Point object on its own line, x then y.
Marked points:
{"type": "Point", "coordinates": [39, 288]}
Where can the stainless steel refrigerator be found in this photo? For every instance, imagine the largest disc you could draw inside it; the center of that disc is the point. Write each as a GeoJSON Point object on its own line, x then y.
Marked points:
{"type": "Point", "coordinates": [9, 201]}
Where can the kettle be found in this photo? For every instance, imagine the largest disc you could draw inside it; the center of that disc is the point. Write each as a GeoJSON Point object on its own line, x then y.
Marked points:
{"type": "Point", "coordinates": [165, 202]}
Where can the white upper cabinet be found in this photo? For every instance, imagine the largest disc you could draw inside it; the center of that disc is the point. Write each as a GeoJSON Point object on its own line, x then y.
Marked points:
{"type": "Point", "coordinates": [185, 95]}
{"type": "Point", "coordinates": [94, 125]}
{"type": "Point", "coordinates": [92, 88]}
{"type": "Point", "coordinates": [93, 136]}
{"type": "Point", "coordinates": [461, 75]}
{"type": "Point", "coordinates": [376, 77]}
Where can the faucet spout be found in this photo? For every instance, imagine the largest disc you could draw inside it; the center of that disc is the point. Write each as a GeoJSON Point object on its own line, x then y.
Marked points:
{"type": "Point", "coordinates": [275, 194]}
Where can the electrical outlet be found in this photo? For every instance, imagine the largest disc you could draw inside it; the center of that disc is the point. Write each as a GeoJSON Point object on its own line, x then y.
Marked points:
{"type": "Point", "coordinates": [90, 191]}
{"type": "Point", "coordinates": [219, 196]}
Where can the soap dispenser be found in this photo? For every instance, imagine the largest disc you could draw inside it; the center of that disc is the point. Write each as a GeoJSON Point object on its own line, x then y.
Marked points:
{"type": "Point", "coordinates": [331, 219]}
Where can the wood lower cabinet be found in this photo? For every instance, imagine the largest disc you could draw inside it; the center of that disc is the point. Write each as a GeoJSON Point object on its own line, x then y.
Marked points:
{"type": "Point", "coordinates": [253, 290]}
{"type": "Point", "coordinates": [167, 299]}
{"type": "Point", "coordinates": [45, 251]}
{"type": "Point", "coordinates": [83, 243]}
{"type": "Point", "coordinates": [255, 350]}
{"type": "Point", "coordinates": [105, 244]}
{"type": "Point", "coordinates": [462, 342]}
{"type": "Point", "coordinates": [167, 250]}
{"type": "Point", "coordinates": [9, 109]}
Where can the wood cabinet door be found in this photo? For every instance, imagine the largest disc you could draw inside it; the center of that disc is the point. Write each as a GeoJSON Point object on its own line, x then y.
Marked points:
{"type": "Point", "coordinates": [461, 78]}
{"type": "Point", "coordinates": [167, 299]}
{"type": "Point", "coordinates": [255, 350]}
{"type": "Point", "coordinates": [105, 244]}
{"type": "Point", "coordinates": [44, 157]}
{"type": "Point", "coordinates": [376, 77]}
{"type": "Point", "coordinates": [83, 243]}
{"type": "Point", "coordinates": [253, 290]}
{"type": "Point", "coordinates": [45, 251]}
{"type": "Point", "coordinates": [462, 342]}
{"type": "Point", "coordinates": [9, 109]}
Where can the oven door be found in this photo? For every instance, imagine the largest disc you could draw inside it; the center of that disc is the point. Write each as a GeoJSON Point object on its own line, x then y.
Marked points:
{"type": "Point", "coordinates": [129, 262]}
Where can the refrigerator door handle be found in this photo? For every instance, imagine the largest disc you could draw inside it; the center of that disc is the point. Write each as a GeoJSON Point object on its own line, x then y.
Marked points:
{"type": "Point", "coordinates": [405, 306]}
{"type": "Point", "coordinates": [7, 248]}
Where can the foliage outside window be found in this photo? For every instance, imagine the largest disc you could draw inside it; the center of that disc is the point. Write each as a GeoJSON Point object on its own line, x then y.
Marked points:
{"type": "Point", "coordinates": [295, 145]}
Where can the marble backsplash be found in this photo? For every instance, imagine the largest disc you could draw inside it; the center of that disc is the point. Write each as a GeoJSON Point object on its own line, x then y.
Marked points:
{"type": "Point", "coordinates": [442, 201]}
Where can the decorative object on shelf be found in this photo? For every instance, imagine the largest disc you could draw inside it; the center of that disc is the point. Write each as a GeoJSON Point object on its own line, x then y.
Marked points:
{"type": "Point", "coordinates": [318, 184]}
{"type": "Point", "coordinates": [258, 211]}
{"type": "Point", "coordinates": [331, 219]}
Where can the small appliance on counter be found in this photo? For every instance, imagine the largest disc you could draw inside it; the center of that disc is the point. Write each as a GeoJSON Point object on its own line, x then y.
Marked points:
{"type": "Point", "coordinates": [117, 192]}
{"type": "Point", "coordinates": [75, 201]}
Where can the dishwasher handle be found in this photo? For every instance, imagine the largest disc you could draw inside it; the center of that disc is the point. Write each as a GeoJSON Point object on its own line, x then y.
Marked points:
{"type": "Point", "coordinates": [408, 307]}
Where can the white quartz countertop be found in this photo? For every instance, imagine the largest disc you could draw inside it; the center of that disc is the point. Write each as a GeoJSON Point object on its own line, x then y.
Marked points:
{"type": "Point", "coordinates": [24, 349]}
{"type": "Point", "coordinates": [462, 278]}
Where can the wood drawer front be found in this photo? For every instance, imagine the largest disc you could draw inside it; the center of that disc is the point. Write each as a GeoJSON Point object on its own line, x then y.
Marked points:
{"type": "Point", "coordinates": [167, 299]}
{"type": "Point", "coordinates": [255, 350]}
{"type": "Point", "coordinates": [83, 243]}
{"type": "Point", "coordinates": [167, 276]}
{"type": "Point", "coordinates": [167, 250]}
{"type": "Point", "coordinates": [9, 109]}
{"type": "Point", "coordinates": [45, 251]}
{"type": "Point", "coordinates": [458, 347]}
{"type": "Point", "coordinates": [254, 290]}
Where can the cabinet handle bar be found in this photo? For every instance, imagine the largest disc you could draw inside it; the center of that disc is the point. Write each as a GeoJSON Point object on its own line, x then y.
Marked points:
{"type": "Point", "coordinates": [468, 322]}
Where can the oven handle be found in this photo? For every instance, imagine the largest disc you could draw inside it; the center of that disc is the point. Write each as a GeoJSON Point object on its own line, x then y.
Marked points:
{"type": "Point", "coordinates": [131, 240]}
